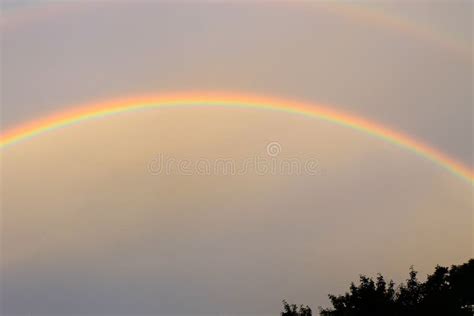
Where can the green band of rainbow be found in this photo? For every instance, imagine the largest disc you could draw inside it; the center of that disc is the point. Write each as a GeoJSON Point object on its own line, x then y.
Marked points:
{"type": "Point", "coordinates": [82, 113]}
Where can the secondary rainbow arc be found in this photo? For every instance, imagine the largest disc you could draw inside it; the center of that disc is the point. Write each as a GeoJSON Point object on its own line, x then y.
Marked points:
{"type": "Point", "coordinates": [28, 13]}
{"type": "Point", "coordinates": [81, 113]}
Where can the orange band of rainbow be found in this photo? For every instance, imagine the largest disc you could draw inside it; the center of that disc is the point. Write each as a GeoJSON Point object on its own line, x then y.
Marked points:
{"type": "Point", "coordinates": [82, 113]}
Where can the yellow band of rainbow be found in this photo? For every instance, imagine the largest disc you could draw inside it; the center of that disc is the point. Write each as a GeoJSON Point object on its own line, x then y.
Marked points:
{"type": "Point", "coordinates": [82, 113]}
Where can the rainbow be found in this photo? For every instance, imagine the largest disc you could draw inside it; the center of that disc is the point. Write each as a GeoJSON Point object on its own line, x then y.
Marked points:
{"type": "Point", "coordinates": [29, 13]}
{"type": "Point", "coordinates": [413, 29]}
{"type": "Point", "coordinates": [87, 112]}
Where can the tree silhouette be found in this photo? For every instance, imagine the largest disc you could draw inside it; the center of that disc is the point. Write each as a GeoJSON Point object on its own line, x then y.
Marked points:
{"type": "Point", "coordinates": [448, 291]}
{"type": "Point", "coordinates": [293, 310]}
{"type": "Point", "coordinates": [368, 298]}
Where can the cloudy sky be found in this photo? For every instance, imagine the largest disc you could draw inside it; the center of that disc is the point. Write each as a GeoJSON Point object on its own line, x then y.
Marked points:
{"type": "Point", "coordinates": [90, 228]}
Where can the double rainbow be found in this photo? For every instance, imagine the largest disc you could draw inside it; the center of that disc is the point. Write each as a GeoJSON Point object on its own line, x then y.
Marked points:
{"type": "Point", "coordinates": [83, 113]}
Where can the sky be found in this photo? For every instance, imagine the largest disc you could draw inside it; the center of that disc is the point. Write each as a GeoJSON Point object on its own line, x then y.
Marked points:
{"type": "Point", "coordinates": [89, 227]}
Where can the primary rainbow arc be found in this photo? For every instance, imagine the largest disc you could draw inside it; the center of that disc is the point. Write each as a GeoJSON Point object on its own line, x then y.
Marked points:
{"type": "Point", "coordinates": [81, 113]}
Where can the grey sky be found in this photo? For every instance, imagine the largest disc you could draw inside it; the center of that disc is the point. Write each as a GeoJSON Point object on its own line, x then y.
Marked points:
{"type": "Point", "coordinates": [88, 231]}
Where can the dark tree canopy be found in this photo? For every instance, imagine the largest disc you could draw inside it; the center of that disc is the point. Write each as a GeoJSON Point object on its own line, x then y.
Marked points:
{"type": "Point", "coordinates": [448, 291]}
{"type": "Point", "coordinates": [294, 310]}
